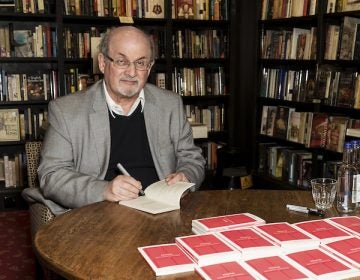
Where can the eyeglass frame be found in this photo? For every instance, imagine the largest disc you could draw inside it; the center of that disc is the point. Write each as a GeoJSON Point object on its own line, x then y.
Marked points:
{"type": "Point", "coordinates": [148, 66]}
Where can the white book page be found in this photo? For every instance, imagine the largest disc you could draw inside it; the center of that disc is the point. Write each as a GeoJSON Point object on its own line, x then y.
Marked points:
{"type": "Point", "coordinates": [159, 197]}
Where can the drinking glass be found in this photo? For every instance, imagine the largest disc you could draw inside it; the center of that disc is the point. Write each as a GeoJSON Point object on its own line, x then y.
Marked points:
{"type": "Point", "coordinates": [323, 192]}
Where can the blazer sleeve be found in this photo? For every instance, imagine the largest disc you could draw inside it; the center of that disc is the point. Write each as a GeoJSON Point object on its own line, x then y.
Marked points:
{"type": "Point", "coordinates": [60, 170]}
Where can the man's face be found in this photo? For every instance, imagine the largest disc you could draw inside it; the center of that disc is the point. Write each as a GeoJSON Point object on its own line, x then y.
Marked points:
{"type": "Point", "coordinates": [125, 82]}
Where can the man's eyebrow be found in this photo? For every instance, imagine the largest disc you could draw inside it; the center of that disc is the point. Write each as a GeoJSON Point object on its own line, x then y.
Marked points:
{"type": "Point", "coordinates": [125, 56]}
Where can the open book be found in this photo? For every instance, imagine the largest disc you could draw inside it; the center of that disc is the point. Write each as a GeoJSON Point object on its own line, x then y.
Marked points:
{"type": "Point", "coordinates": [159, 197]}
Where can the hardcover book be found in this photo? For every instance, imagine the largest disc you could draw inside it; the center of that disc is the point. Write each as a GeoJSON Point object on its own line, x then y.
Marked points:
{"type": "Point", "coordinates": [23, 43]}
{"type": "Point", "coordinates": [288, 237]}
{"type": "Point", "coordinates": [225, 270]}
{"type": "Point", "coordinates": [336, 133]}
{"type": "Point", "coordinates": [323, 230]}
{"type": "Point", "coordinates": [320, 263]}
{"type": "Point", "coordinates": [207, 249]}
{"type": "Point", "coordinates": [345, 96]}
{"type": "Point", "coordinates": [294, 126]}
{"type": "Point", "coordinates": [348, 37]}
{"type": "Point", "coordinates": [281, 122]}
{"type": "Point", "coordinates": [9, 125]}
{"type": "Point", "coordinates": [250, 243]}
{"type": "Point", "coordinates": [159, 197]}
{"type": "Point", "coordinates": [318, 130]}
{"type": "Point", "coordinates": [36, 87]}
{"type": "Point", "coordinates": [270, 120]}
{"type": "Point", "coordinates": [225, 222]}
{"type": "Point", "coordinates": [155, 9]}
{"type": "Point", "coordinates": [165, 259]}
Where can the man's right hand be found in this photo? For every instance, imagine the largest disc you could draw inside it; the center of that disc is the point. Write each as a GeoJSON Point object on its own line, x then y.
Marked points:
{"type": "Point", "coordinates": [122, 187]}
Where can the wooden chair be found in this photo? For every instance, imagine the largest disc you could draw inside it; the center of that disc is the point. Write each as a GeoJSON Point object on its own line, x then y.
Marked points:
{"type": "Point", "coordinates": [40, 214]}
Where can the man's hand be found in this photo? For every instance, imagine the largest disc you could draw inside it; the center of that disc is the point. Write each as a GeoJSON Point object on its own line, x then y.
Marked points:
{"type": "Point", "coordinates": [122, 187]}
{"type": "Point", "coordinates": [176, 177]}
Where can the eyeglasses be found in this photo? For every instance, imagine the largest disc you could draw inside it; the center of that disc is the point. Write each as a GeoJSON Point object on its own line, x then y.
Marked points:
{"type": "Point", "coordinates": [140, 64]}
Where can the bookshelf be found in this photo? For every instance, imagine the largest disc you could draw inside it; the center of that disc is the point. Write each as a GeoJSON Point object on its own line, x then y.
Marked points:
{"type": "Point", "coordinates": [317, 79]}
{"type": "Point", "coordinates": [192, 59]}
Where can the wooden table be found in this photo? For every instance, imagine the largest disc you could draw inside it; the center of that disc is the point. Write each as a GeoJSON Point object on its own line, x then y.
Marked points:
{"type": "Point", "coordinates": [100, 241]}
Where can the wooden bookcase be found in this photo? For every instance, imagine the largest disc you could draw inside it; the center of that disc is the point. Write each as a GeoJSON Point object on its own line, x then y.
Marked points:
{"type": "Point", "coordinates": [61, 66]}
{"type": "Point", "coordinates": [307, 97]}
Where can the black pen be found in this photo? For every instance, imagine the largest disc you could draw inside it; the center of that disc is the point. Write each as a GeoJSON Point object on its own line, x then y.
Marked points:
{"type": "Point", "coordinates": [123, 171]}
{"type": "Point", "coordinates": [306, 210]}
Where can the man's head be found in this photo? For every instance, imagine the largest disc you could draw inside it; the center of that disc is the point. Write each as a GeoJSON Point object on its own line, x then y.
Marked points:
{"type": "Point", "coordinates": [126, 57]}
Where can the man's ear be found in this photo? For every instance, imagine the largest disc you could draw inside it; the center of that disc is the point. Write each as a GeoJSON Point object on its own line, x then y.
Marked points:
{"type": "Point", "coordinates": [101, 62]}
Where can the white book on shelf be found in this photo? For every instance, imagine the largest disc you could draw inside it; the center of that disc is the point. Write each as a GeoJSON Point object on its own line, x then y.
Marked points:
{"type": "Point", "coordinates": [354, 132]}
{"type": "Point", "coordinates": [199, 130]}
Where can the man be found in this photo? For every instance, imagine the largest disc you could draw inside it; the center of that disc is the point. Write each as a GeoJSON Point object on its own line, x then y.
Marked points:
{"type": "Point", "coordinates": [120, 119]}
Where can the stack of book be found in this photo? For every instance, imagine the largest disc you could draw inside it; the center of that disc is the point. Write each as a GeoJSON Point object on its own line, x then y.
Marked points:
{"type": "Point", "coordinates": [218, 223]}
{"type": "Point", "coordinates": [318, 249]}
{"type": "Point", "coordinates": [205, 249]}
{"type": "Point", "coordinates": [167, 259]}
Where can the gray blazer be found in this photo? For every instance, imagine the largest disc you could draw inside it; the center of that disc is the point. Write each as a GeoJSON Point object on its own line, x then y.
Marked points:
{"type": "Point", "coordinates": [76, 148]}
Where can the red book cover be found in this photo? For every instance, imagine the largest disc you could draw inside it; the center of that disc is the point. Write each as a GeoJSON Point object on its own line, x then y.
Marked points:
{"type": "Point", "coordinates": [249, 242]}
{"type": "Point", "coordinates": [166, 259]}
{"type": "Point", "coordinates": [207, 248]}
{"type": "Point", "coordinates": [288, 236]}
{"type": "Point", "coordinates": [276, 268]}
{"type": "Point", "coordinates": [319, 130]}
{"type": "Point", "coordinates": [228, 270]}
{"type": "Point", "coordinates": [347, 249]}
{"type": "Point", "coordinates": [349, 223]}
{"type": "Point", "coordinates": [322, 264]}
{"type": "Point", "coordinates": [227, 221]}
{"type": "Point", "coordinates": [323, 230]}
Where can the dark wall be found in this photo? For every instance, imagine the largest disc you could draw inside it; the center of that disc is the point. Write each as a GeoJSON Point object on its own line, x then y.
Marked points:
{"type": "Point", "coordinates": [243, 76]}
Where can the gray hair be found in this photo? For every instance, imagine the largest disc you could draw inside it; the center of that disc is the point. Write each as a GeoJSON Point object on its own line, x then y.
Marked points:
{"type": "Point", "coordinates": [105, 39]}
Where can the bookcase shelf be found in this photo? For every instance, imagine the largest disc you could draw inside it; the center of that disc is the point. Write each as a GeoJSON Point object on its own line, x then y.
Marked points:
{"type": "Point", "coordinates": [313, 101]}
{"type": "Point", "coordinates": [58, 66]}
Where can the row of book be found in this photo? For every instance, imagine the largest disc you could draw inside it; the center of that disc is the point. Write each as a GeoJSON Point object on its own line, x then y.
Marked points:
{"type": "Point", "coordinates": [313, 129]}
{"type": "Point", "coordinates": [182, 9]}
{"type": "Point", "coordinates": [199, 81]}
{"type": "Point", "coordinates": [24, 87]}
{"type": "Point", "coordinates": [291, 165]}
{"type": "Point", "coordinates": [211, 116]}
{"type": "Point", "coordinates": [12, 170]}
{"type": "Point", "coordinates": [85, 44]}
{"type": "Point", "coordinates": [115, 8]}
{"type": "Point", "coordinates": [200, 9]}
{"type": "Point", "coordinates": [23, 124]}
{"type": "Point", "coordinates": [75, 80]}
{"type": "Point", "coordinates": [272, 9]}
{"type": "Point", "coordinates": [200, 43]}
{"type": "Point", "coordinates": [298, 43]}
{"type": "Point", "coordinates": [287, 164]}
{"type": "Point", "coordinates": [291, 85]}
{"type": "Point", "coordinates": [245, 245]}
{"type": "Point", "coordinates": [343, 41]}
{"type": "Point", "coordinates": [334, 87]}
{"type": "Point", "coordinates": [337, 6]}
{"type": "Point", "coordinates": [210, 152]}
{"type": "Point", "coordinates": [25, 6]}
{"type": "Point", "coordinates": [36, 41]}
{"type": "Point", "coordinates": [338, 88]}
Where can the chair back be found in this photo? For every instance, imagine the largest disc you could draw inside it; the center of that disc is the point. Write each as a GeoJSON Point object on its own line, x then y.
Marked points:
{"type": "Point", "coordinates": [33, 149]}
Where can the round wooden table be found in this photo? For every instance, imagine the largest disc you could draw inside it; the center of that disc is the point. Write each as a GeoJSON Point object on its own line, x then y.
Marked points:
{"type": "Point", "coordinates": [100, 241]}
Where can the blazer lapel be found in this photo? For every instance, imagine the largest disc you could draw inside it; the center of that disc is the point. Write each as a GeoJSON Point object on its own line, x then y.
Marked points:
{"type": "Point", "coordinates": [152, 122]}
{"type": "Point", "coordinates": [100, 127]}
